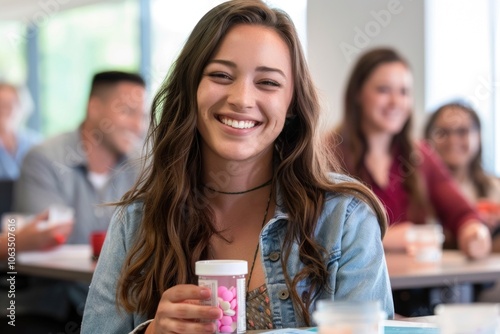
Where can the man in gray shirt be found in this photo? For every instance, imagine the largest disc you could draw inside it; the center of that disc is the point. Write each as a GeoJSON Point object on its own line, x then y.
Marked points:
{"type": "Point", "coordinates": [82, 169]}
{"type": "Point", "coordinates": [92, 165]}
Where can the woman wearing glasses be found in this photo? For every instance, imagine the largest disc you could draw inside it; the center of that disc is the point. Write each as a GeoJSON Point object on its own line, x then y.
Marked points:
{"type": "Point", "coordinates": [375, 145]}
{"type": "Point", "coordinates": [454, 130]}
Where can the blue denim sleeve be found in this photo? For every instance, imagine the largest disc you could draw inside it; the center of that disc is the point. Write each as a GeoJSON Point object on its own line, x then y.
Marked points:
{"type": "Point", "coordinates": [102, 314]}
{"type": "Point", "coordinates": [362, 270]}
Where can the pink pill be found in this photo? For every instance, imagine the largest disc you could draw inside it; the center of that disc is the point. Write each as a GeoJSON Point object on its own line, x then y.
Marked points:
{"type": "Point", "coordinates": [233, 303]}
{"type": "Point", "coordinates": [227, 296]}
{"type": "Point", "coordinates": [226, 329]}
{"type": "Point", "coordinates": [220, 290]}
{"type": "Point", "coordinates": [233, 290]}
{"type": "Point", "coordinates": [226, 321]}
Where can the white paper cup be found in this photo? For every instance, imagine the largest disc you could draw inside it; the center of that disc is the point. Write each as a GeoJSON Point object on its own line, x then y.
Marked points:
{"type": "Point", "coordinates": [60, 214]}
{"type": "Point", "coordinates": [478, 318]}
{"type": "Point", "coordinates": [425, 242]}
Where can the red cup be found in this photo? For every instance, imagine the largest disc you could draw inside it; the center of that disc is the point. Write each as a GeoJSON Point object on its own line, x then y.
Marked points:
{"type": "Point", "coordinates": [488, 207]}
{"type": "Point", "coordinates": [96, 240]}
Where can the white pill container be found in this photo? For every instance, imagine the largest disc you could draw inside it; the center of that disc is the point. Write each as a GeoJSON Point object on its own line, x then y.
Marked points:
{"type": "Point", "coordinates": [226, 280]}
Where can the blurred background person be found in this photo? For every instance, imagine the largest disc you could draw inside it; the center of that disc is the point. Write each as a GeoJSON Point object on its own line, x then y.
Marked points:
{"type": "Point", "coordinates": [454, 131]}
{"type": "Point", "coordinates": [15, 141]}
{"type": "Point", "coordinates": [92, 165]}
{"type": "Point", "coordinates": [82, 170]}
{"type": "Point", "coordinates": [375, 145]}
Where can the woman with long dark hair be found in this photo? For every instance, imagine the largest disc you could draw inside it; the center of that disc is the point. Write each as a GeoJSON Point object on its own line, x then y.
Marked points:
{"type": "Point", "coordinates": [236, 171]}
{"type": "Point", "coordinates": [374, 143]}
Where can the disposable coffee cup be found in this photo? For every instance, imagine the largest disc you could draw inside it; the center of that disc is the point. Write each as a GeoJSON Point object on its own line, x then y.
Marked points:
{"type": "Point", "coordinates": [468, 318]}
{"type": "Point", "coordinates": [424, 243]}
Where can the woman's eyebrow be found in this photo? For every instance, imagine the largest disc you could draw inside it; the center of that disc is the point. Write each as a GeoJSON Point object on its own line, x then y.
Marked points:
{"type": "Point", "coordinates": [258, 69]}
{"type": "Point", "coordinates": [223, 62]}
{"type": "Point", "coordinates": [270, 69]}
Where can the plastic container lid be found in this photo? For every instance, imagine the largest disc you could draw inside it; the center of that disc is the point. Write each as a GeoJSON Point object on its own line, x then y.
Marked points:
{"type": "Point", "coordinates": [221, 267]}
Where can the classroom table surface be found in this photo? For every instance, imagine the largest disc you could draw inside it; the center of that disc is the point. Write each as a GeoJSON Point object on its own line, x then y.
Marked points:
{"type": "Point", "coordinates": [416, 325]}
{"type": "Point", "coordinates": [66, 262]}
{"type": "Point", "coordinates": [74, 262]}
{"type": "Point", "coordinates": [454, 268]}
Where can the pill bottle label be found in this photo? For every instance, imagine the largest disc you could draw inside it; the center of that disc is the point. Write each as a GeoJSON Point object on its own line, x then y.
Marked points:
{"type": "Point", "coordinates": [241, 298]}
{"type": "Point", "coordinates": [213, 286]}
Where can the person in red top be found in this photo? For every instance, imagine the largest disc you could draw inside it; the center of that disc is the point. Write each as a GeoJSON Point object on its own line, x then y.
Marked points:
{"type": "Point", "coordinates": [454, 132]}
{"type": "Point", "coordinates": [446, 200]}
{"type": "Point", "coordinates": [374, 144]}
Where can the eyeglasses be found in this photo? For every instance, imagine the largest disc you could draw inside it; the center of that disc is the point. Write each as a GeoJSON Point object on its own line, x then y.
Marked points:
{"type": "Point", "coordinates": [445, 133]}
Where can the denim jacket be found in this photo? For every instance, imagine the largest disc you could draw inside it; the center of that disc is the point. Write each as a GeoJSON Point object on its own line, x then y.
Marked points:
{"type": "Point", "coordinates": [347, 229]}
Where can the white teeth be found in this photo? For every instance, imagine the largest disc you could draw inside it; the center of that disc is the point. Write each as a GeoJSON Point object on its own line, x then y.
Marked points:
{"type": "Point", "coordinates": [236, 124]}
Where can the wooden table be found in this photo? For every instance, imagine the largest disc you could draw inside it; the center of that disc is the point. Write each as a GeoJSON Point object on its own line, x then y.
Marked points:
{"type": "Point", "coordinates": [454, 268]}
{"type": "Point", "coordinates": [66, 262]}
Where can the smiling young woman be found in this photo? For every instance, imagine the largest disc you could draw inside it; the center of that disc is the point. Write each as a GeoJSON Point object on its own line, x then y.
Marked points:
{"type": "Point", "coordinates": [237, 172]}
{"type": "Point", "coordinates": [375, 144]}
{"type": "Point", "coordinates": [454, 131]}
{"type": "Point", "coordinates": [244, 95]}
{"type": "Point", "coordinates": [376, 147]}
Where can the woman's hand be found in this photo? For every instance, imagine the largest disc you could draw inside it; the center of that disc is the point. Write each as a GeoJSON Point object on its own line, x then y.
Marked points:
{"type": "Point", "coordinates": [474, 240]}
{"type": "Point", "coordinates": [395, 237]}
{"type": "Point", "coordinates": [36, 235]}
{"type": "Point", "coordinates": [490, 213]}
{"type": "Point", "coordinates": [180, 311]}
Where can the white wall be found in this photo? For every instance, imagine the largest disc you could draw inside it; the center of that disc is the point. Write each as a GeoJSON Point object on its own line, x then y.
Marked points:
{"type": "Point", "coordinates": [460, 62]}
{"type": "Point", "coordinates": [339, 30]}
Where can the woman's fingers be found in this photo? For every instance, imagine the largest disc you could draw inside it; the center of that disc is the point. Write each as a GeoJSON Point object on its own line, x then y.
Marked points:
{"type": "Point", "coordinates": [474, 240]}
{"type": "Point", "coordinates": [181, 310]}
{"type": "Point", "coordinates": [188, 310]}
{"type": "Point", "coordinates": [183, 292]}
{"type": "Point", "coordinates": [172, 325]}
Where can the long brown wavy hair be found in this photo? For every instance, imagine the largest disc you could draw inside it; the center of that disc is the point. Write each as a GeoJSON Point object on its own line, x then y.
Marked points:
{"type": "Point", "coordinates": [476, 171]}
{"type": "Point", "coordinates": [177, 221]}
{"type": "Point", "coordinates": [350, 132]}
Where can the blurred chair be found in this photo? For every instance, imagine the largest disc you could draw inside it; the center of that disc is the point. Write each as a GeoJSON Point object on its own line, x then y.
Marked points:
{"type": "Point", "coordinates": [6, 196]}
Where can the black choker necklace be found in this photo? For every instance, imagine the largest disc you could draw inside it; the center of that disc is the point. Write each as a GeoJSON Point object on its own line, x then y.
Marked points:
{"type": "Point", "coordinates": [238, 192]}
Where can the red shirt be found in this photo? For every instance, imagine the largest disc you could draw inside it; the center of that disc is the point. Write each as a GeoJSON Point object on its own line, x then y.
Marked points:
{"type": "Point", "coordinates": [442, 193]}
